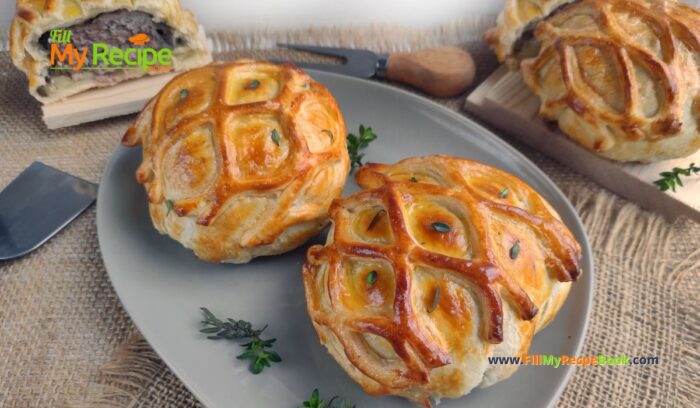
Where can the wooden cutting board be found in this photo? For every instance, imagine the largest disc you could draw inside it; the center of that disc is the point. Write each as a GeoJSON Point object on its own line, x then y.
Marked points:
{"type": "Point", "coordinates": [505, 101]}
{"type": "Point", "coordinates": [121, 99]}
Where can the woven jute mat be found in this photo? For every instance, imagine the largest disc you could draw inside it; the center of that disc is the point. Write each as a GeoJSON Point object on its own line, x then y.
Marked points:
{"type": "Point", "coordinates": [65, 339]}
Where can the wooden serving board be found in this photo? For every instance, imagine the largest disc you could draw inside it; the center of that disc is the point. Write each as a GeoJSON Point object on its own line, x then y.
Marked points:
{"type": "Point", "coordinates": [100, 103]}
{"type": "Point", "coordinates": [505, 101]}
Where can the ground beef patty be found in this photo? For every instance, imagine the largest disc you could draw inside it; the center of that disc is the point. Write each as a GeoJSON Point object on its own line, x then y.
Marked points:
{"type": "Point", "coordinates": [114, 29]}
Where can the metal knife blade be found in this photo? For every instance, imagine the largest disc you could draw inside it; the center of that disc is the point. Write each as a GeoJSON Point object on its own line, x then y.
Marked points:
{"type": "Point", "coordinates": [38, 204]}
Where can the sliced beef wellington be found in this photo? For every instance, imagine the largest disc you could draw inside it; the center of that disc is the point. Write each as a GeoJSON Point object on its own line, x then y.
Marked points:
{"type": "Point", "coordinates": [139, 25]}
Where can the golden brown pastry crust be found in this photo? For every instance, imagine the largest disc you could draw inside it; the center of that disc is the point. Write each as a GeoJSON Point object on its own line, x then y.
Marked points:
{"type": "Point", "coordinates": [622, 78]}
{"type": "Point", "coordinates": [517, 17]}
{"type": "Point", "coordinates": [241, 159]}
{"type": "Point", "coordinates": [35, 17]}
{"type": "Point", "coordinates": [412, 308]}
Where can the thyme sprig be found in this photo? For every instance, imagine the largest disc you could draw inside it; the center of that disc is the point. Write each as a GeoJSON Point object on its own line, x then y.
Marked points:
{"type": "Point", "coordinates": [229, 329]}
{"type": "Point", "coordinates": [257, 350]}
{"type": "Point", "coordinates": [316, 402]}
{"type": "Point", "coordinates": [357, 143]}
{"type": "Point", "coordinates": [671, 179]}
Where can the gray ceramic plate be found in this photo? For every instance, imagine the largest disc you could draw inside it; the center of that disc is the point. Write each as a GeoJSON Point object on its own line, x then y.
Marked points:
{"type": "Point", "coordinates": [162, 285]}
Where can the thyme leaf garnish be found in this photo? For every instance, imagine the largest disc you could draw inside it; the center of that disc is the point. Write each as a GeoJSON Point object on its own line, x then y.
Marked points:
{"type": "Point", "coordinates": [275, 137]}
{"type": "Point", "coordinates": [316, 402]}
{"type": "Point", "coordinates": [441, 227]}
{"type": "Point", "coordinates": [258, 350]}
{"type": "Point", "coordinates": [357, 143]}
{"type": "Point", "coordinates": [254, 84]}
{"type": "Point", "coordinates": [169, 205]}
{"type": "Point", "coordinates": [515, 250]}
{"type": "Point", "coordinates": [371, 278]}
{"type": "Point", "coordinates": [671, 179]}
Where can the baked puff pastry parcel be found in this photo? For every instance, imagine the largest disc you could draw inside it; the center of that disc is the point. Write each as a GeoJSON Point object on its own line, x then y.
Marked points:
{"type": "Point", "coordinates": [241, 159]}
{"type": "Point", "coordinates": [117, 27]}
{"type": "Point", "coordinates": [439, 264]}
{"type": "Point", "coordinates": [621, 77]}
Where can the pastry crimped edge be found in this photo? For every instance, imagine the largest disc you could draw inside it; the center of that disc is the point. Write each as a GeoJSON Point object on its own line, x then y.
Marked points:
{"type": "Point", "coordinates": [33, 18]}
{"type": "Point", "coordinates": [516, 333]}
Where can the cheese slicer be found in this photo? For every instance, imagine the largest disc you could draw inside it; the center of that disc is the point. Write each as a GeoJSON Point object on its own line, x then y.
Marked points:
{"type": "Point", "coordinates": [441, 71]}
{"type": "Point", "coordinates": [38, 204]}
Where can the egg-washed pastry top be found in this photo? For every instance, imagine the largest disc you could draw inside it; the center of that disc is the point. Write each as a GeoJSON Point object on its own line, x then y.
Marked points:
{"type": "Point", "coordinates": [241, 159]}
{"type": "Point", "coordinates": [437, 265]}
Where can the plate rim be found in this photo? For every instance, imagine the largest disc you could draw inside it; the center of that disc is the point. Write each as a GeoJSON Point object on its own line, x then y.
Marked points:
{"type": "Point", "coordinates": [465, 122]}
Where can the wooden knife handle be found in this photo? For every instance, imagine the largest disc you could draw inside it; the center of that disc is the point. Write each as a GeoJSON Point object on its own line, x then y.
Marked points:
{"type": "Point", "coordinates": [443, 71]}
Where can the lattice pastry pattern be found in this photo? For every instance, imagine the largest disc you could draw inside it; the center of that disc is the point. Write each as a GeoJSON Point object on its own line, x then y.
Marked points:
{"type": "Point", "coordinates": [241, 159]}
{"type": "Point", "coordinates": [621, 78]}
{"type": "Point", "coordinates": [439, 263]}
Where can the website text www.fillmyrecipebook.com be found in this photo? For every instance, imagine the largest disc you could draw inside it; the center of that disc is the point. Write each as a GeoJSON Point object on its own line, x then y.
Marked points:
{"type": "Point", "coordinates": [555, 361]}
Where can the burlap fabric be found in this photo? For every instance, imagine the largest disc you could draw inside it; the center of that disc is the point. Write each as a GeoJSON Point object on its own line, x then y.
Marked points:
{"type": "Point", "coordinates": [65, 340]}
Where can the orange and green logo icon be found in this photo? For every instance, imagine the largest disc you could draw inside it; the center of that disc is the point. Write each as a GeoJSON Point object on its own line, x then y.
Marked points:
{"type": "Point", "coordinates": [139, 39]}
{"type": "Point", "coordinates": [64, 56]}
